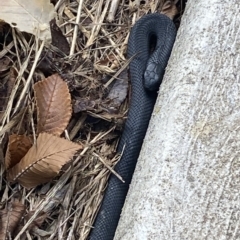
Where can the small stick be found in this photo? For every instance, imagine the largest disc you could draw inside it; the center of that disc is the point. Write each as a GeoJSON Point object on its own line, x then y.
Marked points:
{"type": "Point", "coordinates": [113, 9]}
{"type": "Point", "coordinates": [26, 87]}
{"type": "Point", "coordinates": [76, 28]}
{"type": "Point", "coordinates": [97, 27]}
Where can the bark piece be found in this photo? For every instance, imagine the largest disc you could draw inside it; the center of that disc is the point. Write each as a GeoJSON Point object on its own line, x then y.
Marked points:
{"type": "Point", "coordinates": [186, 184]}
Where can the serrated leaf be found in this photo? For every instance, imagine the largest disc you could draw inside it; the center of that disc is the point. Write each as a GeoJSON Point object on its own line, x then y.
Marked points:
{"type": "Point", "coordinates": [18, 146]}
{"type": "Point", "coordinates": [10, 218]}
{"type": "Point", "coordinates": [53, 105]}
{"type": "Point", "coordinates": [32, 16]}
{"type": "Point", "coordinates": [43, 161]}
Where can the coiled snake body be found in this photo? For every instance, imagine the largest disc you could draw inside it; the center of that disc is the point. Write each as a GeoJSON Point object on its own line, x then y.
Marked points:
{"type": "Point", "coordinates": [146, 72]}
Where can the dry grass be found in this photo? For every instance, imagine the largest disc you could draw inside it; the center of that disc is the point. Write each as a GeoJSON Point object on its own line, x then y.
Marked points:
{"type": "Point", "coordinates": [98, 39]}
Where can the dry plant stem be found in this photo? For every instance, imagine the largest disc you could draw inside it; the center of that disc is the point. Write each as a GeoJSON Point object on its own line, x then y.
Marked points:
{"type": "Point", "coordinates": [77, 126]}
{"type": "Point", "coordinates": [31, 110]}
{"type": "Point", "coordinates": [134, 18]}
{"type": "Point", "coordinates": [26, 87]}
{"type": "Point", "coordinates": [10, 124]}
{"type": "Point", "coordinates": [98, 21]}
{"type": "Point", "coordinates": [75, 33]}
{"type": "Point", "coordinates": [69, 194]}
{"type": "Point", "coordinates": [74, 223]}
{"type": "Point", "coordinates": [22, 41]}
{"type": "Point", "coordinates": [57, 199]}
{"type": "Point", "coordinates": [93, 141]}
{"type": "Point", "coordinates": [113, 9]}
{"type": "Point", "coordinates": [16, 45]}
{"type": "Point", "coordinates": [6, 115]}
{"type": "Point", "coordinates": [75, 211]}
{"type": "Point", "coordinates": [95, 200]}
{"type": "Point", "coordinates": [114, 45]}
{"type": "Point", "coordinates": [124, 45]}
{"type": "Point", "coordinates": [118, 72]}
{"type": "Point", "coordinates": [60, 184]}
{"type": "Point", "coordinates": [72, 18]}
{"type": "Point", "coordinates": [66, 203]}
{"type": "Point", "coordinates": [76, 214]}
{"type": "Point", "coordinates": [58, 4]}
{"type": "Point", "coordinates": [6, 49]}
{"type": "Point", "coordinates": [101, 135]}
{"type": "Point", "coordinates": [108, 167]}
{"type": "Point", "coordinates": [66, 134]}
{"type": "Point", "coordinates": [107, 35]}
{"type": "Point", "coordinates": [98, 116]}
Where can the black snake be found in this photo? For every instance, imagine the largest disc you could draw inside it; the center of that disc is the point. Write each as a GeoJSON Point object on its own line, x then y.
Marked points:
{"type": "Point", "coordinates": [146, 72]}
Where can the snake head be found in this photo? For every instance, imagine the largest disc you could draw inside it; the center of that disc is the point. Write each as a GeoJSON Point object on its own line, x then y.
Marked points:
{"type": "Point", "coordinates": [152, 76]}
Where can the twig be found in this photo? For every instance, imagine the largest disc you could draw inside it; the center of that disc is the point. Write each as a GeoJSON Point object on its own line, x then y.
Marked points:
{"type": "Point", "coordinates": [42, 204]}
{"type": "Point", "coordinates": [6, 49]}
{"type": "Point", "coordinates": [75, 33]}
{"type": "Point", "coordinates": [108, 167]}
{"type": "Point", "coordinates": [113, 9]}
{"type": "Point", "coordinates": [97, 27]}
{"type": "Point", "coordinates": [114, 45]}
{"type": "Point", "coordinates": [26, 87]}
{"type": "Point", "coordinates": [118, 72]}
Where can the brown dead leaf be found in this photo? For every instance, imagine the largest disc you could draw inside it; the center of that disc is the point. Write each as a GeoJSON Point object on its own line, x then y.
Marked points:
{"type": "Point", "coordinates": [53, 105]}
{"type": "Point", "coordinates": [43, 161]}
{"type": "Point", "coordinates": [10, 218]}
{"type": "Point", "coordinates": [18, 146]}
{"type": "Point", "coordinates": [32, 16]}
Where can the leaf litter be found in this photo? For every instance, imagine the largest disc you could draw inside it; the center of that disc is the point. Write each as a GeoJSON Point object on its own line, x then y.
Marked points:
{"type": "Point", "coordinates": [87, 52]}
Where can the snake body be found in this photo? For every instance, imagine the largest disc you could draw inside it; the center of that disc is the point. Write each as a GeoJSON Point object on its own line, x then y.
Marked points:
{"type": "Point", "coordinates": [146, 72]}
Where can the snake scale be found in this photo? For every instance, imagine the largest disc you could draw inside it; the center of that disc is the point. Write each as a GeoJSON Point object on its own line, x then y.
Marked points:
{"type": "Point", "coordinates": [146, 73]}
